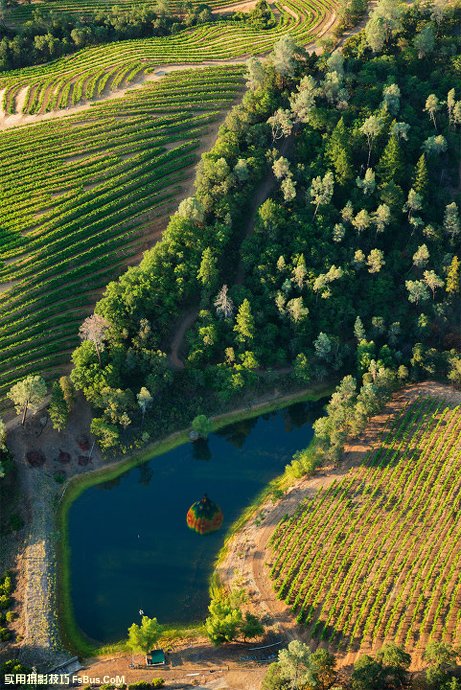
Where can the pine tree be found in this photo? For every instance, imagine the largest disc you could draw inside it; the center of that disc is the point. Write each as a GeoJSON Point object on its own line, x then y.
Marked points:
{"type": "Point", "coordinates": [244, 322]}
{"type": "Point", "coordinates": [421, 177]}
{"type": "Point", "coordinates": [391, 167]}
{"type": "Point", "coordinates": [453, 283]}
{"type": "Point", "coordinates": [208, 272]}
{"type": "Point", "coordinates": [338, 152]}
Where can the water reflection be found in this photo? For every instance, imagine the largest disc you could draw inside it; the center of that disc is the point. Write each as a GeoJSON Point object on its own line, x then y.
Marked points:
{"type": "Point", "coordinates": [145, 473]}
{"type": "Point", "coordinates": [238, 433]}
{"type": "Point", "coordinates": [201, 450]}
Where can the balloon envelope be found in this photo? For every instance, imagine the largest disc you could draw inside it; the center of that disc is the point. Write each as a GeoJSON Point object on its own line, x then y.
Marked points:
{"type": "Point", "coordinates": [204, 516]}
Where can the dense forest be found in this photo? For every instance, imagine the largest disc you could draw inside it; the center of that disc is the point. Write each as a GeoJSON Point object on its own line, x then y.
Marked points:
{"type": "Point", "coordinates": [352, 263]}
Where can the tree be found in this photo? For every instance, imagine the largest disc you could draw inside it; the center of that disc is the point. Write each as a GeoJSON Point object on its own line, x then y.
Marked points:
{"type": "Point", "coordinates": [435, 145]}
{"type": "Point", "coordinates": [432, 107]}
{"type": "Point", "coordinates": [288, 188]}
{"type": "Point", "coordinates": [223, 623]}
{"type": "Point", "coordinates": [106, 434]}
{"type": "Point", "coordinates": [68, 391]}
{"type": "Point", "coordinates": [299, 272]}
{"type": "Point", "coordinates": [223, 303]}
{"type": "Point", "coordinates": [281, 167]}
{"type": "Point", "coordinates": [368, 674]}
{"type": "Point", "coordinates": [390, 13]}
{"type": "Point", "coordinates": [251, 627]}
{"type": "Point", "coordinates": [242, 170]}
{"type": "Point", "coordinates": [281, 124]}
{"type": "Point", "coordinates": [359, 329]}
{"type": "Point", "coordinates": [421, 256]}
{"type": "Point", "coordinates": [57, 409]}
{"type": "Point", "coordinates": [368, 183]}
{"type": "Point", "coordinates": [256, 74]}
{"type": "Point", "coordinates": [371, 128]}
{"type": "Point", "coordinates": [451, 101]}
{"type": "Point", "coordinates": [244, 322]}
{"type": "Point", "coordinates": [395, 662]}
{"type": "Point", "coordinates": [323, 346]}
{"type": "Point", "coordinates": [145, 400]}
{"type": "Point", "coordinates": [391, 98]}
{"type": "Point", "coordinates": [324, 669]}
{"type": "Point", "coordinates": [433, 281]}
{"type": "Point", "coordinates": [453, 277]}
{"type": "Point", "coordinates": [362, 221]}
{"type": "Point", "coordinates": [94, 329]}
{"type": "Point", "coordinates": [27, 394]}
{"type": "Point", "coordinates": [321, 190]}
{"type": "Point", "coordinates": [273, 679]}
{"type": "Point", "coordinates": [417, 291]}
{"type": "Point", "coordinates": [424, 41]}
{"type": "Point", "coordinates": [390, 166]}
{"type": "Point", "coordinates": [295, 665]}
{"type": "Point", "coordinates": [301, 368]}
{"type": "Point", "coordinates": [400, 130]}
{"type": "Point", "coordinates": [296, 309]}
{"type": "Point", "coordinates": [2, 435]}
{"type": "Point", "coordinates": [440, 657]}
{"type": "Point", "coordinates": [339, 154]}
{"type": "Point", "coordinates": [451, 223]}
{"type": "Point", "coordinates": [413, 203]}
{"type": "Point", "coordinates": [143, 637]}
{"type": "Point", "coordinates": [283, 56]}
{"type": "Point", "coordinates": [208, 270]}
{"type": "Point", "coordinates": [375, 261]}
{"type": "Point", "coordinates": [454, 371]}
{"type": "Point", "coordinates": [191, 209]}
{"type": "Point", "coordinates": [375, 34]}
{"type": "Point", "coordinates": [202, 425]}
{"type": "Point", "coordinates": [302, 101]}
{"type": "Point", "coordinates": [421, 178]}
{"type": "Point", "coordinates": [381, 217]}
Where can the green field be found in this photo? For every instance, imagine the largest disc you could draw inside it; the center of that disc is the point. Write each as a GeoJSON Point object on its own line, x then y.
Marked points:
{"type": "Point", "coordinates": [80, 197]}
{"type": "Point", "coordinates": [375, 556]}
{"type": "Point", "coordinates": [104, 68]}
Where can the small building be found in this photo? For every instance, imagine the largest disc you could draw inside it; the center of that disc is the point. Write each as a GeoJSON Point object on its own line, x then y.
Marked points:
{"type": "Point", "coordinates": [156, 658]}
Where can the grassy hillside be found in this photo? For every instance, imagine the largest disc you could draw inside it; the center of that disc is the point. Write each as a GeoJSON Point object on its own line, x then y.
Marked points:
{"type": "Point", "coordinates": [91, 71]}
{"type": "Point", "coordinates": [374, 557]}
{"type": "Point", "coordinates": [80, 197]}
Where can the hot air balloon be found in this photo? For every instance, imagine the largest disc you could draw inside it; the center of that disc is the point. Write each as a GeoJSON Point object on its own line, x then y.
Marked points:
{"type": "Point", "coordinates": [204, 516]}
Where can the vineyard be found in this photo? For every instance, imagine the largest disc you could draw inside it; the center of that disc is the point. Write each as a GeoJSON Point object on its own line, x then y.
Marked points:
{"type": "Point", "coordinates": [98, 70]}
{"type": "Point", "coordinates": [23, 12]}
{"type": "Point", "coordinates": [82, 197]}
{"type": "Point", "coordinates": [375, 557]}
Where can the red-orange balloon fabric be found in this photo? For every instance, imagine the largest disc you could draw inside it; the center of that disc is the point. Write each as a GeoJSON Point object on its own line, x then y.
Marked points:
{"type": "Point", "coordinates": [204, 516]}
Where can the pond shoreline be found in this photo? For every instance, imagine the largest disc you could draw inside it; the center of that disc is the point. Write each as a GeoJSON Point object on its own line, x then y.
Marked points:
{"type": "Point", "coordinates": [71, 636]}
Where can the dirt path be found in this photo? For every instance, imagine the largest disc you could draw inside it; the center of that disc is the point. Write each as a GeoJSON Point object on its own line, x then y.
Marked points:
{"type": "Point", "coordinates": [178, 337]}
{"type": "Point", "coordinates": [248, 553]}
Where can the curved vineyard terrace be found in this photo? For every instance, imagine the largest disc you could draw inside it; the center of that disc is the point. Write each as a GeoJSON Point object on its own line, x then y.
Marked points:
{"type": "Point", "coordinates": [133, 529]}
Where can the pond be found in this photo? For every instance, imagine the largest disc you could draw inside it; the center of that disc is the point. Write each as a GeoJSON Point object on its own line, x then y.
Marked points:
{"type": "Point", "coordinates": [131, 549]}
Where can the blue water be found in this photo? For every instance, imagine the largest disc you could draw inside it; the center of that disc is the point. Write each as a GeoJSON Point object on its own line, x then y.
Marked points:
{"type": "Point", "coordinates": [130, 546]}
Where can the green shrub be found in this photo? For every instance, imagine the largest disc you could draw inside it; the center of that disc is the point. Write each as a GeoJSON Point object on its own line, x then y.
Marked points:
{"type": "Point", "coordinates": [158, 682]}
{"type": "Point", "coordinates": [5, 602]}
{"type": "Point", "coordinates": [6, 586]}
{"type": "Point", "coordinates": [5, 634]}
{"type": "Point", "coordinates": [10, 616]}
{"type": "Point", "coordinates": [140, 685]}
